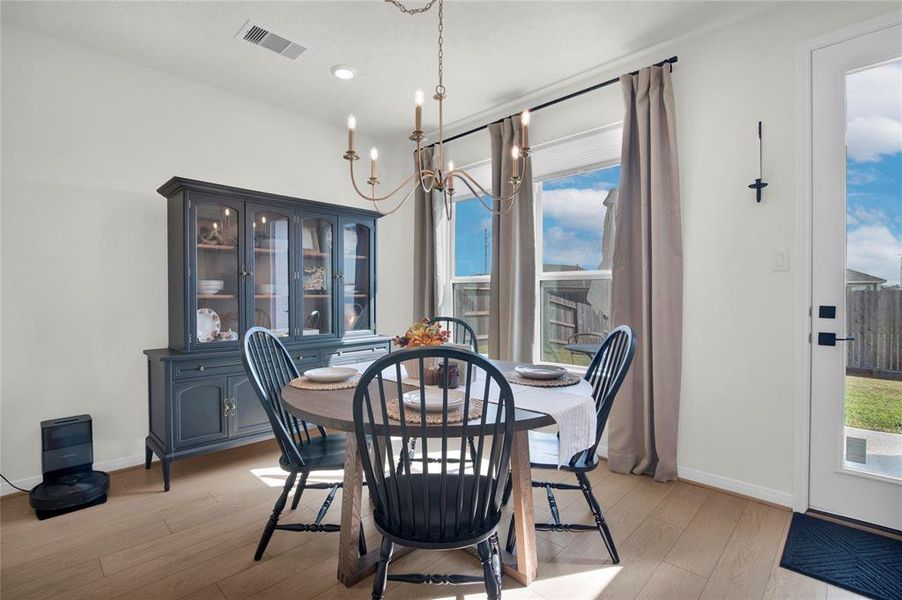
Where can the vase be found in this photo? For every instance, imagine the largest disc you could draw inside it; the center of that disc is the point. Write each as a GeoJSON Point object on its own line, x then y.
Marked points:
{"type": "Point", "coordinates": [413, 369]}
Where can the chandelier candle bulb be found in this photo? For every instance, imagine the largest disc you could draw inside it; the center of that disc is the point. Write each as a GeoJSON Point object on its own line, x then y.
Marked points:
{"type": "Point", "coordinates": [352, 125]}
{"type": "Point", "coordinates": [524, 129]}
{"type": "Point", "coordinates": [515, 154]}
{"type": "Point", "coordinates": [418, 100]}
{"type": "Point", "coordinates": [450, 176]}
{"type": "Point", "coordinates": [374, 156]}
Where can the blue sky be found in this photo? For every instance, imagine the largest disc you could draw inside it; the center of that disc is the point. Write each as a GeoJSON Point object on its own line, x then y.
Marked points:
{"type": "Point", "coordinates": [874, 170]}
{"type": "Point", "coordinates": [572, 223]}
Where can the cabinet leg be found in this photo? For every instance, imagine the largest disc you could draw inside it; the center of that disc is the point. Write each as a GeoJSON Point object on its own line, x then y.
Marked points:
{"type": "Point", "coordinates": [167, 472]}
{"type": "Point", "coordinates": [148, 457]}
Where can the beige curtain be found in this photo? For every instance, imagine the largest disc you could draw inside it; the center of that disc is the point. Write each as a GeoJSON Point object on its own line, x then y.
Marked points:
{"type": "Point", "coordinates": [424, 301]}
{"type": "Point", "coordinates": [512, 299]}
{"type": "Point", "coordinates": [647, 286]}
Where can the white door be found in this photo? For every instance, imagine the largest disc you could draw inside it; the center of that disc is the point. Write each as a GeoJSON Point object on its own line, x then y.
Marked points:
{"type": "Point", "coordinates": [856, 384]}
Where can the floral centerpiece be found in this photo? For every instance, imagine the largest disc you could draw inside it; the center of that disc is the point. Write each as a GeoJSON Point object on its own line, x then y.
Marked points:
{"type": "Point", "coordinates": [421, 333]}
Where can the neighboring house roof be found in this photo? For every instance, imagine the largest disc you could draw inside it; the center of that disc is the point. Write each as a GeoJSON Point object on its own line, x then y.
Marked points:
{"type": "Point", "coordinates": [853, 276]}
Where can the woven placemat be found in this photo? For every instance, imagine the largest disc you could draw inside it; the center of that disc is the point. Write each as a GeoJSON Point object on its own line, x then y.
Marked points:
{"type": "Point", "coordinates": [412, 415]}
{"type": "Point", "coordinates": [564, 380]}
{"type": "Point", "coordinates": [302, 383]}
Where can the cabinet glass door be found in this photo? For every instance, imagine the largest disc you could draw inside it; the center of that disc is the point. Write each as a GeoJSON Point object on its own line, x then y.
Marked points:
{"type": "Point", "coordinates": [271, 270]}
{"type": "Point", "coordinates": [318, 258]}
{"type": "Point", "coordinates": [218, 264]}
{"type": "Point", "coordinates": [356, 277]}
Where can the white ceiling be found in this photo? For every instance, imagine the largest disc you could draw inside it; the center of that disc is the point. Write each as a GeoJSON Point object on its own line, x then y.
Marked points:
{"type": "Point", "coordinates": [495, 51]}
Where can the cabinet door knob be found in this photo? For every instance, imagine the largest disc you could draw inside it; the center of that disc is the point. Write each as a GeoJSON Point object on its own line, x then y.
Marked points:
{"type": "Point", "coordinates": [225, 411]}
{"type": "Point", "coordinates": [234, 407]}
{"type": "Point", "coordinates": [201, 368]}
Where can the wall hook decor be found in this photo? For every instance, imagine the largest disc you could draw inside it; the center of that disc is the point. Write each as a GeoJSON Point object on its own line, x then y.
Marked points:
{"type": "Point", "coordinates": [759, 184]}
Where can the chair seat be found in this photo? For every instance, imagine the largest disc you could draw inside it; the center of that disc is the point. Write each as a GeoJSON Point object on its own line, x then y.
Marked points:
{"type": "Point", "coordinates": [435, 538]}
{"type": "Point", "coordinates": [319, 454]}
{"type": "Point", "coordinates": [544, 449]}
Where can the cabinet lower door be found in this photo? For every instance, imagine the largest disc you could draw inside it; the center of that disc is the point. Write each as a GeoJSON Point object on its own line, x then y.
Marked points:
{"type": "Point", "coordinates": [201, 412]}
{"type": "Point", "coordinates": [247, 413]}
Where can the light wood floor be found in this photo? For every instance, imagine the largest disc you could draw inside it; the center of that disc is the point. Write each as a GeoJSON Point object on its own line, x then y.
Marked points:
{"type": "Point", "coordinates": [197, 541]}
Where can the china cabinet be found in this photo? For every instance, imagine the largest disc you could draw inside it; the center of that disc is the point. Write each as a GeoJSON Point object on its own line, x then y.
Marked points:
{"type": "Point", "coordinates": [237, 259]}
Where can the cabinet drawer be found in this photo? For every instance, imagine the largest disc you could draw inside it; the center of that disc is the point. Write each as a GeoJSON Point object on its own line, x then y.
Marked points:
{"type": "Point", "coordinates": [203, 368]}
{"type": "Point", "coordinates": [353, 354]}
{"type": "Point", "coordinates": [306, 359]}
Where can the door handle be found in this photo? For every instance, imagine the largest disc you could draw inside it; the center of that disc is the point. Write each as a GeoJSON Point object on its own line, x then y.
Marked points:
{"type": "Point", "coordinates": [830, 339]}
{"type": "Point", "coordinates": [234, 407]}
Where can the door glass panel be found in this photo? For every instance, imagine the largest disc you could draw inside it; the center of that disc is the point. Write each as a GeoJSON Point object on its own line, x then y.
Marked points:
{"type": "Point", "coordinates": [271, 275]}
{"type": "Point", "coordinates": [873, 398]}
{"type": "Point", "coordinates": [318, 253]}
{"type": "Point", "coordinates": [218, 263]}
{"type": "Point", "coordinates": [356, 277]}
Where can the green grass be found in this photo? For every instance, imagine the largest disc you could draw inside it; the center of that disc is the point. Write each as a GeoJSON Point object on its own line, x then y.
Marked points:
{"type": "Point", "coordinates": [874, 404]}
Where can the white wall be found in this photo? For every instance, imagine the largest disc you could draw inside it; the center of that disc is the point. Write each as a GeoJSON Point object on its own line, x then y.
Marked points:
{"type": "Point", "coordinates": [86, 140]}
{"type": "Point", "coordinates": [737, 406]}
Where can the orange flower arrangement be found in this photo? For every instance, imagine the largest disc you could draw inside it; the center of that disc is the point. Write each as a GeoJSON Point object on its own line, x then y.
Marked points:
{"type": "Point", "coordinates": [422, 333]}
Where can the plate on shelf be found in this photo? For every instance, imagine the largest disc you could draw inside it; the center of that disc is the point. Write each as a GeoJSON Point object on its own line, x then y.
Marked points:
{"type": "Point", "coordinates": [434, 399]}
{"type": "Point", "coordinates": [540, 371]}
{"type": "Point", "coordinates": [330, 374]}
{"type": "Point", "coordinates": [208, 325]}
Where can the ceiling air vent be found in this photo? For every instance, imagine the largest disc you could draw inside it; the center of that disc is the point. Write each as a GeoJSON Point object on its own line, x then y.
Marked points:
{"type": "Point", "coordinates": [262, 36]}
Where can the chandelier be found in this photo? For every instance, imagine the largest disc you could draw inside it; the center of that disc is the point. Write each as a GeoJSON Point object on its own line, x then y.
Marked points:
{"type": "Point", "coordinates": [434, 176]}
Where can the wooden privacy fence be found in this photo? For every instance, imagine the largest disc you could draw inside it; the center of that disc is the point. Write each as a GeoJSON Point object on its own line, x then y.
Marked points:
{"type": "Point", "coordinates": [874, 319]}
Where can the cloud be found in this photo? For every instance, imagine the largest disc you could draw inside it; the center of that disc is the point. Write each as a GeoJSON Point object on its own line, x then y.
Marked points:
{"type": "Point", "coordinates": [859, 176]}
{"type": "Point", "coordinates": [873, 249]}
{"type": "Point", "coordinates": [875, 91]}
{"type": "Point", "coordinates": [564, 247]}
{"type": "Point", "coordinates": [860, 215]}
{"type": "Point", "coordinates": [576, 208]}
{"type": "Point", "coordinates": [874, 112]}
{"type": "Point", "coordinates": [867, 138]}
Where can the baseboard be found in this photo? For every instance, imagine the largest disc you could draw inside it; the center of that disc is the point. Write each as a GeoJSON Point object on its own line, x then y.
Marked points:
{"type": "Point", "coordinates": [741, 488]}
{"type": "Point", "coordinates": [749, 490]}
{"type": "Point", "coordinates": [110, 465]}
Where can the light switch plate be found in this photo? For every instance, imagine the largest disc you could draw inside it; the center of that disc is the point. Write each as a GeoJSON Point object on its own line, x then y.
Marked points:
{"type": "Point", "coordinates": [780, 262]}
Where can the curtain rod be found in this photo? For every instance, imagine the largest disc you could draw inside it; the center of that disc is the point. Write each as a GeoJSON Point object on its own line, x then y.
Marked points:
{"type": "Point", "coordinates": [592, 88]}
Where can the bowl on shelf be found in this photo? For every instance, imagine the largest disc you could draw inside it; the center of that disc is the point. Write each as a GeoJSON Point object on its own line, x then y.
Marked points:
{"type": "Point", "coordinates": [208, 287]}
{"type": "Point", "coordinates": [270, 289]}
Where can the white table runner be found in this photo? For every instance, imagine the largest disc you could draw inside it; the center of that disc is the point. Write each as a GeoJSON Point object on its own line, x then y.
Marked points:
{"type": "Point", "coordinates": [571, 407]}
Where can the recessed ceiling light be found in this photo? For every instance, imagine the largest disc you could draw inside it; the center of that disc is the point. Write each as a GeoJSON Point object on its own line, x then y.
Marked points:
{"type": "Point", "coordinates": [343, 71]}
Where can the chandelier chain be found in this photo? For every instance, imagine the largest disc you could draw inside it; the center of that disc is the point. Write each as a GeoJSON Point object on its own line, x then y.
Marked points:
{"type": "Point", "coordinates": [441, 40]}
{"type": "Point", "coordinates": [412, 11]}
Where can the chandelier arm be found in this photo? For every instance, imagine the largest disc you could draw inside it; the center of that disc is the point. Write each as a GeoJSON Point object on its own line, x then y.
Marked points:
{"type": "Point", "coordinates": [377, 198]}
{"type": "Point", "coordinates": [400, 204]}
{"type": "Point", "coordinates": [481, 199]}
{"type": "Point", "coordinates": [467, 178]}
{"type": "Point", "coordinates": [423, 173]}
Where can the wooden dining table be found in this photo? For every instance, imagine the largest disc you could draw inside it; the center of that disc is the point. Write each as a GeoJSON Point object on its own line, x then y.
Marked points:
{"type": "Point", "coordinates": [332, 409]}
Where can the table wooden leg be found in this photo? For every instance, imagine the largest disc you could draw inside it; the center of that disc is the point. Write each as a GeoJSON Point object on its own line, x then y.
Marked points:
{"type": "Point", "coordinates": [526, 567]}
{"type": "Point", "coordinates": [351, 499]}
{"type": "Point", "coordinates": [352, 567]}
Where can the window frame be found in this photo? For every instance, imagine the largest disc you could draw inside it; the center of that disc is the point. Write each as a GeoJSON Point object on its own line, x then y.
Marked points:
{"type": "Point", "coordinates": [541, 274]}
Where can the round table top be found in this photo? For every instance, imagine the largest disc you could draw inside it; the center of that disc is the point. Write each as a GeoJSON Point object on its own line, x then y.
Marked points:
{"type": "Point", "coordinates": [589, 349]}
{"type": "Point", "coordinates": [333, 408]}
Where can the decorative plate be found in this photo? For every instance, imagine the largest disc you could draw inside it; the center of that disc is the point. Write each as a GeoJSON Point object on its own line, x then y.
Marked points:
{"type": "Point", "coordinates": [208, 325]}
{"type": "Point", "coordinates": [330, 374]}
{"type": "Point", "coordinates": [434, 399]}
{"type": "Point", "coordinates": [540, 371]}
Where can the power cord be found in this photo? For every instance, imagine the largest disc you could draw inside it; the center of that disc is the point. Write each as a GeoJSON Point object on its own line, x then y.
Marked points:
{"type": "Point", "coordinates": [13, 484]}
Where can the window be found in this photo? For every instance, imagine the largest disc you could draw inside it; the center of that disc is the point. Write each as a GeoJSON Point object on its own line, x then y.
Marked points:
{"type": "Point", "coordinates": [573, 279]}
{"type": "Point", "coordinates": [472, 260]}
{"type": "Point", "coordinates": [574, 297]}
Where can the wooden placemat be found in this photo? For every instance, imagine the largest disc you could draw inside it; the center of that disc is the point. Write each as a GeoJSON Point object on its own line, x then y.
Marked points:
{"type": "Point", "coordinates": [567, 379]}
{"type": "Point", "coordinates": [412, 415]}
{"type": "Point", "coordinates": [302, 383]}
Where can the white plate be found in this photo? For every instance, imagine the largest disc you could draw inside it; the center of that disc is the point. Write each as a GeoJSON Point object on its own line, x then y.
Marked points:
{"type": "Point", "coordinates": [540, 371]}
{"type": "Point", "coordinates": [434, 399]}
{"type": "Point", "coordinates": [208, 325]}
{"type": "Point", "coordinates": [330, 374]}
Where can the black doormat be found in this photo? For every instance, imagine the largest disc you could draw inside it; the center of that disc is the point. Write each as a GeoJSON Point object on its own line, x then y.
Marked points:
{"type": "Point", "coordinates": [859, 561]}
